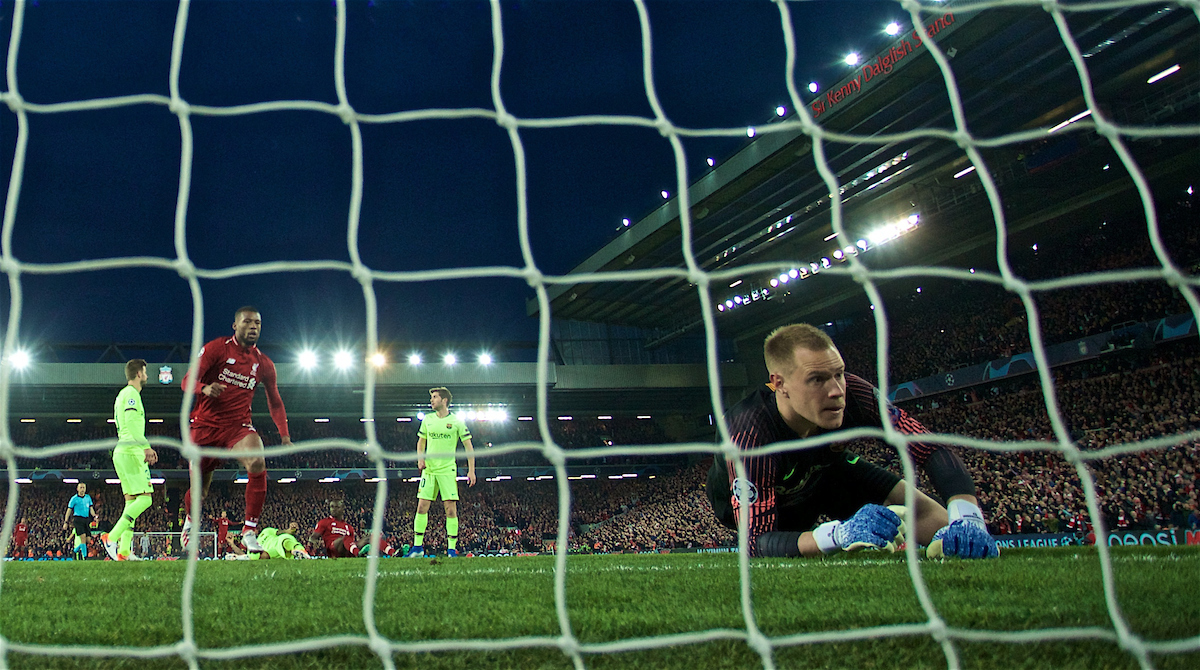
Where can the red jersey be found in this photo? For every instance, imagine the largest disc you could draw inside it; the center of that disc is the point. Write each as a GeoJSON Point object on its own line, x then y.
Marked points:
{"type": "Point", "coordinates": [330, 529]}
{"type": "Point", "coordinates": [240, 369]}
{"type": "Point", "coordinates": [222, 530]}
{"type": "Point", "coordinates": [20, 533]}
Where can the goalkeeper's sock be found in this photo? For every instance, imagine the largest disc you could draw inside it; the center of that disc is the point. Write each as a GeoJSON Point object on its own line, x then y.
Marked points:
{"type": "Point", "coordinates": [451, 532]}
{"type": "Point", "coordinates": [133, 509]}
{"type": "Point", "coordinates": [967, 511]}
{"type": "Point", "coordinates": [420, 522]}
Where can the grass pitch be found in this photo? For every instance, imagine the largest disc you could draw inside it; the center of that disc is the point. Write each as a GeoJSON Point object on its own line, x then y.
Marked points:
{"type": "Point", "coordinates": [609, 599]}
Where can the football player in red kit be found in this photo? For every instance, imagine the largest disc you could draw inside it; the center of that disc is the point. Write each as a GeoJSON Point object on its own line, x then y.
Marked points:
{"type": "Point", "coordinates": [338, 536]}
{"type": "Point", "coordinates": [229, 370]}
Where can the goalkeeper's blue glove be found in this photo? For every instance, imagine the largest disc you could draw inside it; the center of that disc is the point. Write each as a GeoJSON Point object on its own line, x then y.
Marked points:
{"type": "Point", "coordinates": [871, 527]}
{"type": "Point", "coordinates": [964, 539]}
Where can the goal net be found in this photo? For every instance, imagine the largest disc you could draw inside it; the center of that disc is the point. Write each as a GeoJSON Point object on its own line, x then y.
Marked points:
{"type": "Point", "coordinates": [806, 115]}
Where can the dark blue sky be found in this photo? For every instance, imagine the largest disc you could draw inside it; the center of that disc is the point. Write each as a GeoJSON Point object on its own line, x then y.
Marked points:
{"type": "Point", "coordinates": [276, 186]}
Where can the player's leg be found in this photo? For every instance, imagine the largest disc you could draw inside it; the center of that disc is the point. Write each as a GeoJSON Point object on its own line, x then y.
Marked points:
{"type": "Point", "coordinates": [82, 532]}
{"type": "Point", "coordinates": [426, 493]}
{"type": "Point", "coordinates": [203, 436]}
{"type": "Point", "coordinates": [449, 487]}
{"type": "Point", "coordinates": [256, 485]}
{"type": "Point", "coordinates": [134, 473]}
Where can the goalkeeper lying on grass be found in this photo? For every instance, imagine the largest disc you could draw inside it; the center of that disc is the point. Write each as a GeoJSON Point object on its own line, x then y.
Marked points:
{"type": "Point", "coordinates": [275, 543]}
{"type": "Point", "coordinates": [810, 394]}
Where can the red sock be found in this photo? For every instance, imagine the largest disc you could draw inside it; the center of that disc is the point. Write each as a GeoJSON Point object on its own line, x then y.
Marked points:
{"type": "Point", "coordinates": [256, 495]}
{"type": "Point", "coordinates": [353, 549]}
{"type": "Point", "coordinates": [187, 502]}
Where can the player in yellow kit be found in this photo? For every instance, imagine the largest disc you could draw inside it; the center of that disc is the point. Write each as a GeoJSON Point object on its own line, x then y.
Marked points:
{"type": "Point", "coordinates": [132, 459]}
{"type": "Point", "coordinates": [436, 441]}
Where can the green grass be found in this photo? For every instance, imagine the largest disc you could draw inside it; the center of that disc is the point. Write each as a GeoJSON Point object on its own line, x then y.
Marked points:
{"type": "Point", "coordinates": [609, 598]}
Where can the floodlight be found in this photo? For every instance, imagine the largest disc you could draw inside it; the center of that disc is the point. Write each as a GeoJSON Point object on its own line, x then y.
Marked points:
{"type": "Point", "coordinates": [781, 111]}
{"type": "Point", "coordinates": [485, 359]}
{"type": "Point", "coordinates": [712, 162]}
{"type": "Point", "coordinates": [308, 359]}
{"type": "Point", "coordinates": [449, 359]}
{"type": "Point", "coordinates": [892, 29]}
{"type": "Point", "coordinates": [851, 59]}
{"type": "Point", "coordinates": [343, 359]}
{"type": "Point", "coordinates": [665, 193]}
{"type": "Point", "coordinates": [1165, 73]}
{"type": "Point", "coordinates": [812, 87]}
{"type": "Point", "coordinates": [414, 359]}
{"type": "Point", "coordinates": [379, 359]}
{"type": "Point", "coordinates": [20, 359]}
{"type": "Point", "coordinates": [750, 132]}
{"type": "Point", "coordinates": [420, 416]}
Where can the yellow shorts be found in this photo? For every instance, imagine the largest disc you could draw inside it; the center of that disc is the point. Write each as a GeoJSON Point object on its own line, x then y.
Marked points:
{"type": "Point", "coordinates": [432, 484]}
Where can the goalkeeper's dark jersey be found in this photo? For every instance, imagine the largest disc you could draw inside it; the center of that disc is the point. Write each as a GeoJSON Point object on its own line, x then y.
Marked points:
{"type": "Point", "coordinates": [783, 482]}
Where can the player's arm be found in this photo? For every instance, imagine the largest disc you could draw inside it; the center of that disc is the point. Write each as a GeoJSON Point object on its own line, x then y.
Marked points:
{"type": "Point", "coordinates": [316, 537]}
{"type": "Point", "coordinates": [134, 421]}
{"type": "Point", "coordinates": [420, 453]}
{"type": "Point", "coordinates": [208, 358]}
{"type": "Point", "coordinates": [275, 402]}
{"type": "Point", "coordinates": [233, 545]}
{"type": "Point", "coordinates": [470, 460]}
{"type": "Point", "coordinates": [67, 517]}
{"type": "Point", "coordinates": [967, 529]}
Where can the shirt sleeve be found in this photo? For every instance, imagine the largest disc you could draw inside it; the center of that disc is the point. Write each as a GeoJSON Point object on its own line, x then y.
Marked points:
{"type": "Point", "coordinates": [761, 472]}
{"type": "Point", "coordinates": [946, 470]}
{"type": "Point", "coordinates": [274, 400]}
{"type": "Point", "coordinates": [208, 355]}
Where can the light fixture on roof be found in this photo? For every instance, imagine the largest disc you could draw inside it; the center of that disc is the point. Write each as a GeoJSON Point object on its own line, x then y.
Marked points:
{"type": "Point", "coordinates": [892, 29]}
{"type": "Point", "coordinates": [735, 284]}
{"type": "Point", "coordinates": [851, 59]}
{"type": "Point", "coordinates": [963, 173]}
{"type": "Point", "coordinates": [781, 111]}
{"type": "Point", "coordinates": [665, 193]}
{"type": "Point", "coordinates": [750, 132]}
{"type": "Point", "coordinates": [1164, 74]}
{"type": "Point", "coordinates": [1073, 119]}
{"type": "Point", "coordinates": [378, 359]}
{"type": "Point", "coordinates": [625, 222]}
{"type": "Point", "coordinates": [449, 359]}
{"type": "Point", "coordinates": [343, 360]}
{"type": "Point", "coordinates": [711, 161]}
{"type": "Point", "coordinates": [812, 87]}
{"type": "Point", "coordinates": [307, 359]}
{"type": "Point", "coordinates": [720, 307]}
{"type": "Point", "coordinates": [774, 282]}
{"type": "Point", "coordinates": [20, 359]}
{"type": "Point", "coordinates": [485, 358]}
{"type": "Point", "coordinates": [414, 359]}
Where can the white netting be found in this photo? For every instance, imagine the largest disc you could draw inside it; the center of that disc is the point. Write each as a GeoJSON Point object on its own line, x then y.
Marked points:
{"type": "Point", "coordinates": [935, 626]}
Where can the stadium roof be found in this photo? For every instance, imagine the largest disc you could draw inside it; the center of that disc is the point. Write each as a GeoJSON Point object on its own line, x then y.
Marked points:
{"type": "Point", "coordinates": [768, 205]}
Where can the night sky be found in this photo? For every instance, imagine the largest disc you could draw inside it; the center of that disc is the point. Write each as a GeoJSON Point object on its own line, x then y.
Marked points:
{"type": "Point", "coordinates": [438, 193]}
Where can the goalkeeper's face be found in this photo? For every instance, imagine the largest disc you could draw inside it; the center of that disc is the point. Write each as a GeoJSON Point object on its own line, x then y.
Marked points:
{"type": "Point", "coordinates": [815, 390]}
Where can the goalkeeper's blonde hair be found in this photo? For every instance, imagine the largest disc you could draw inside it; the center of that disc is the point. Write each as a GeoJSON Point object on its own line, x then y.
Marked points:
{"type": "Point", "coordinates": [780, 347]}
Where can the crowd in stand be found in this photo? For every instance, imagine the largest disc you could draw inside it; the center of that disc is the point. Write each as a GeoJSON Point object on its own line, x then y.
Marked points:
{"type": "Point", "coordinates": [978, 322]}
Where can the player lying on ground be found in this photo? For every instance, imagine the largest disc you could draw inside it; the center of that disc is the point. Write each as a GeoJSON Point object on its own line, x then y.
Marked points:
{"type": "Point", "coordinates": [275, 544]}
{"type": "Point", "coordinates": [338, 536]}
{"type": "Point", "coordinates": [811, 394]}
{"type": "Point", "coordinates": [229, 370]}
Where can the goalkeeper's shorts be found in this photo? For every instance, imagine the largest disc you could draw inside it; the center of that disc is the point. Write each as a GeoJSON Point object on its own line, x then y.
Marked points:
{"type": "Point", "coordinates": [836, 490]}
